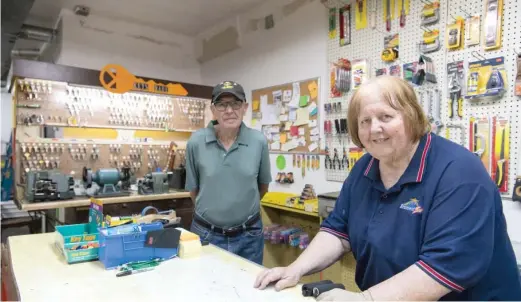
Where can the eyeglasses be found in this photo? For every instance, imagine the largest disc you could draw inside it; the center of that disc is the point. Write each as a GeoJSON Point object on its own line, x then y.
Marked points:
{"type": "Point", "coordinates": [222, 106]}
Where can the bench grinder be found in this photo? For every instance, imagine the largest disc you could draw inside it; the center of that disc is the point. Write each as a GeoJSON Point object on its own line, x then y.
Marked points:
{"type": "Point", "coordinates": [108, 181]}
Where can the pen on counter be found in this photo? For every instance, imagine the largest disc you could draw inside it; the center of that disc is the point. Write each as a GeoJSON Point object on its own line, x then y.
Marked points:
{"type": "Point", "coordinates": [134, 271]}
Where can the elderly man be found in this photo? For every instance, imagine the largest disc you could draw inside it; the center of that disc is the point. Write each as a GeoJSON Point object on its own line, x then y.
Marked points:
{"type": "Point", "coordinates": [227, 173]}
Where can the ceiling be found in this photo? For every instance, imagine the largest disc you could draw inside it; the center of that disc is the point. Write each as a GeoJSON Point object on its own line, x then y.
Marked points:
{"type": "Point", "coordinates": [188, 17]}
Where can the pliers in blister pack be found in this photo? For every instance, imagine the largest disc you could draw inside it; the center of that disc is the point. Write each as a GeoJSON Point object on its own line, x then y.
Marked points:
{"type": "Point", "coordinates": [345, 161]}
{"type": "Point", "coordinates": [327, 160]}
{"type": "Point", "coordinates": [335, 159]}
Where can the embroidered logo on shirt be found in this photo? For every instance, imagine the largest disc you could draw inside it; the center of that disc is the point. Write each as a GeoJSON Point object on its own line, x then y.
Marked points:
{"type": "Point", "coordinates": [413, 205]}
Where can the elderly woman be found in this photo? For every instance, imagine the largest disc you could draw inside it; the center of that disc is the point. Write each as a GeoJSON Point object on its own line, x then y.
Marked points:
{"type": "Point", "coordinates": [420, 213]}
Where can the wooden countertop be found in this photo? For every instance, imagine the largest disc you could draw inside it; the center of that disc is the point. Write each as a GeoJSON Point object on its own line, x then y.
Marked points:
{"type": "Point", "coordinates": [40, 273]}
{"type": "Point", "coordinates": [24, 205]}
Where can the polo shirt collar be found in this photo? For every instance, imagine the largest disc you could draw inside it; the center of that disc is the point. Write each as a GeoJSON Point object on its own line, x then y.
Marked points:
{"type": "Point", "coordinates": [212, 137]}
{"type": "Point", "coordinates": [416, 169]}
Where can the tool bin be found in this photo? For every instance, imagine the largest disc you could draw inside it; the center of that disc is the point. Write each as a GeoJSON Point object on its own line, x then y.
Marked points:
{"type": "Point", "coordinates": [79, 242]}
{"type": "Point", "coordinates": [128, 246]}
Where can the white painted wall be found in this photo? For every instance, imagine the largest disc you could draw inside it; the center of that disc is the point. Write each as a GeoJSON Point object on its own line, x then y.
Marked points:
{"type": "Point", "coordinates": [100, 41]}
{"type": "Point", "coordinates": [295, 49]}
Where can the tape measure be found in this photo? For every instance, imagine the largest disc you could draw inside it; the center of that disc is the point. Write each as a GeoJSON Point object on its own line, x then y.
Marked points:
{"type": "Point", "coordinates": [389, 54]}
{"type": "Point", "coordinates": [116, 79]}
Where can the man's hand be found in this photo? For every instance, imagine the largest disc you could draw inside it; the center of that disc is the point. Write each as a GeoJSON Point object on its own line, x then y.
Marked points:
{"type": "Point", "coordinates": [282, 275]}
{"type": "Point", "coordinates": [337, 294]}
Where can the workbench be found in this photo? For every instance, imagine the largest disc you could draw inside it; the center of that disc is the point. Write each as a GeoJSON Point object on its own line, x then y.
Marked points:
{"type": "Point", "coordinates": [179, 201]}
{"type": "Point", "coordinates": [36, 271]}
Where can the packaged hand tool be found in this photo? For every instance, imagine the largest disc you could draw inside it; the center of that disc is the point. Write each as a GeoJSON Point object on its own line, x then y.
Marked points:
{"type": "Point", "coordinates": [492, 24]}
{"type": "Point", "coordinates": [500, 152]}
{"type": "Point", "coordinates": [268, 229]}
{"type": "Point", "coordinates": [455, 74]}
{"type": "Point", "coordinates": [430, 13]}
{"type": "Point", "coordinates": [431, 41]}
{"type": "Point", "coordinates": [361, 14]}
{"type": "Point", "coordinates": [516, 193]}
{"type": "Point", "coordinates": [404, 10]}
{"type": "Point", "coordinates": [454, 38]}
{"type": "Point", "coordinates": [388, 13]}
{"type": "Point", "coordinates": [518, 76]}
{"type": "Point", "coordinates": [345, 25]}
{"type": "Point", "coordinates": [486, 79]}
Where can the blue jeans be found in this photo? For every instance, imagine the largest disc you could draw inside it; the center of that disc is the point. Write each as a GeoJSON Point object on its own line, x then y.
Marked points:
{"type": "Point", "coordinates": [249, 244]}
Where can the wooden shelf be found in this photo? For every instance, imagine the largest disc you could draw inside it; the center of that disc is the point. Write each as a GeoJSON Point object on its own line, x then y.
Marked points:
{"type": "Point", "coordinates": [82, 201]}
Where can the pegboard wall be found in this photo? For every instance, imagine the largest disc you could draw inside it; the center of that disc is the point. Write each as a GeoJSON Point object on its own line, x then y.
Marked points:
{"type": "Point", "coordinates": [368, 44]}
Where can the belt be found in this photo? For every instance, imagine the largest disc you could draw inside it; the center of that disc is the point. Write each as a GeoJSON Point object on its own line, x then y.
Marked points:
{"type": "Point", "coordinates": [233, 231]}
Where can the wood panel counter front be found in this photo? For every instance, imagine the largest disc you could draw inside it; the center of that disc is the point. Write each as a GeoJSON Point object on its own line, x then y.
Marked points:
{"type": "Point", "coordinates": [40, 273]}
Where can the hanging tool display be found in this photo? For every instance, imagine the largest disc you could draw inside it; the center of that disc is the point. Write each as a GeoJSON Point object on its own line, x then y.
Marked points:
{"type": "Point", "coordinates": [501, 162]}
{"type": "Point", "coordinates": [430, 13]}
{"type": "Point", "coordinates": [435, 117]}
{"type": "Point", "coordinates": [486, 79]}
{"type": "Point", "coordinates": [373, 16]}
{"type": "Point", "coordinates": [336, 160]}
{"type": "Point", "coordinates": [455, 74]}
{"type": "Point", "coordinates": [501, 152]}
{"type": "Point", "coordinates": [345, 25]}
{"type": "Point", "coordinates": [479, 142]}
{"type": "Point", "coordinates": [492, 24]}
{"type": "Point", "coordinates": [404, 10]}
{"type": "Point", "coordinates": [332, 23]}
{"type": "Point", "coordinates": [388, 14]}
{"type": "Point", "coordinates": [341, 77]}
{"type": "Point", "coordinates": [518, 76]}
{"type": "Point", "coordinates": [473, 30]}
{"type": "Point", "coordinates": [431, 41]}
{"type": "Point", "coordinates": [455, 34]}
{"type": "Point", "coordinates": [327, 160]}
{"type": "Point", "coordinates": [345, 161]}
{"type": "Point", "coordinates": [361, 14]}
{"type": "Point", "coordinates": [450, 126]}
{"type": "Point", "coordinates": [391, 48]}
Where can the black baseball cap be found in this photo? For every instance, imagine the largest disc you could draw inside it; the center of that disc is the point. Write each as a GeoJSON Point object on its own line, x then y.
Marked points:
{"type": "Point", "coordinates": [228, 87]}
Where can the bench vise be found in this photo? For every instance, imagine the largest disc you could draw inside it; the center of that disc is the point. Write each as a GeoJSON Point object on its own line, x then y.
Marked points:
{"type": "Point", "coordinates": [153, 183]}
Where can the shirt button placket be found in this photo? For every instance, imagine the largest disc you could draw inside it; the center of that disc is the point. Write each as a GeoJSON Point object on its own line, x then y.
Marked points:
{"type": "Point", "coordinates": [383, 197]}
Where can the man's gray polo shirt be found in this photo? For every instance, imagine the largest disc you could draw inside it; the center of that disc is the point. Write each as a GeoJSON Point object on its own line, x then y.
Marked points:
{"type": "Point", "coordinates": [228, 181]}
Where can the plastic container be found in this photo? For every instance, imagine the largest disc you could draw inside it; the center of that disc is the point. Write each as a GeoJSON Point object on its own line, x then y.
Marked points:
{"type": "Point", "coordinates": [77, 242]}
{"type": "Point", "coordinates": [117, 249]}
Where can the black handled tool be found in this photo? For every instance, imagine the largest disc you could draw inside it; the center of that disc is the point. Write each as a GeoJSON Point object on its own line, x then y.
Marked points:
{"type": "Point", "coordinates": [317, 288]}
